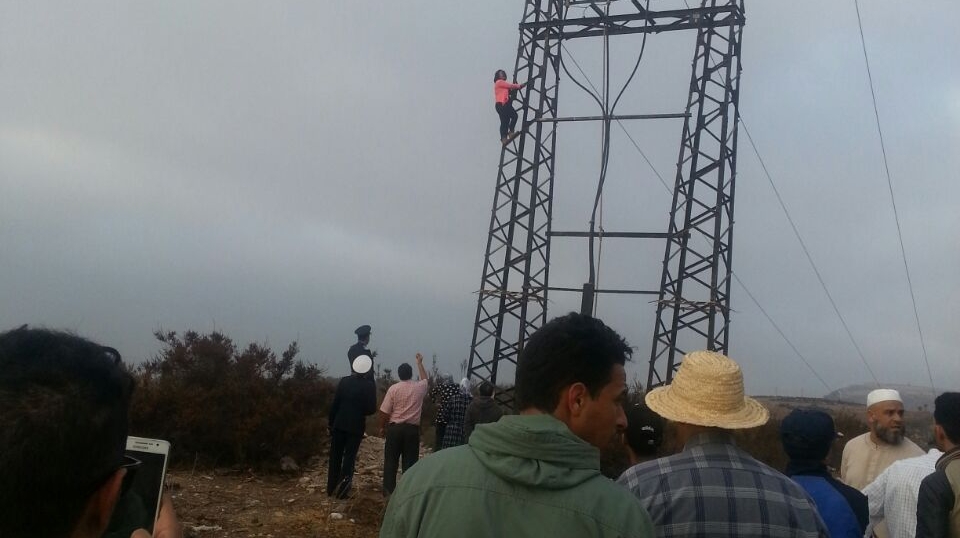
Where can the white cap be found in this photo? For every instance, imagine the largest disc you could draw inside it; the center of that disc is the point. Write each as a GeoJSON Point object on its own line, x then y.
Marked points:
{"type": "Point", "coordinates": [883, 395]}
{"type": "Point", "coordinates": [362, 364]}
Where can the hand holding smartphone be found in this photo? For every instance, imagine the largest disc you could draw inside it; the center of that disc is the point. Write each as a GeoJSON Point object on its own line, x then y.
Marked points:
{"type": "Point", "coordinates": [140, 497]}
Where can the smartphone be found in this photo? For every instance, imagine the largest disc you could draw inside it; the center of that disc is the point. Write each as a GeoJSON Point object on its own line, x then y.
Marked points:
{"type": "Point", "coordinates": [139, 502]}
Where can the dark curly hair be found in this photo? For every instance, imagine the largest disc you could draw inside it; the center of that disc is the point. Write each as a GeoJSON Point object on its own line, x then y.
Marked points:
{"type": "Point", "coordinates": [63, 428]}
{"type": "Point", "coordinates": [569, 349]}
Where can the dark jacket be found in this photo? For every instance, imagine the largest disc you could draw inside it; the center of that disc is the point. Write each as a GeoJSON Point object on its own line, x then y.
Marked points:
{"type": "Point", "coordinates": [355, 351]}
{"type": "Point", "coordinates": [938, 503]}
{"type": "Point", "coordinates": [844, 509]}
{"type": "Point", "coordinates": [482, 410]}
{"type": "Point", "coordinates": [356, 398]}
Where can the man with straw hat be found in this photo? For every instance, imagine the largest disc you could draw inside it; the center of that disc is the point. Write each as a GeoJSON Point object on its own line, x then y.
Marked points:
{"type": "Point", "coordinates": [712, 487]}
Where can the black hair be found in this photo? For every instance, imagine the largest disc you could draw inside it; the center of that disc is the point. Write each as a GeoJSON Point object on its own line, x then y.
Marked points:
{"type": "Point", "coordinates": [644, 431]}
{"type": "Point", "coordinates": [404, 372]}
{"type": "Point", "coordinates": [496, 76]}
{"type": "Point", "coordinates": [485, 389]}
{"type": "Point", "coordinates": [63, 428]}
{"type": "Point", "coordinates": [946, 413]}
{"type": "Point", "coordinates": [569, 349]}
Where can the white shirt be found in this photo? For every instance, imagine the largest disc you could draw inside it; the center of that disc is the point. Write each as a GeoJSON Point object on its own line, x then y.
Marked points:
{"type": "Point", "coordinates": [893, 495]}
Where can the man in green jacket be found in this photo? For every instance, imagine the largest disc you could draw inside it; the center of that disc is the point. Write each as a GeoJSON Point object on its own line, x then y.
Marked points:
{"type": "Point", "coordinates": [536, 473]}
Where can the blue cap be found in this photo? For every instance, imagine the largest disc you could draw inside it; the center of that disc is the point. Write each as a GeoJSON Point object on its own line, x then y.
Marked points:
{"type": "Point", "coordinates": [807, 434]}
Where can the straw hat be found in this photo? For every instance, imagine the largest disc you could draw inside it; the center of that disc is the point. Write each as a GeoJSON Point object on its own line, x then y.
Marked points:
{"type": "Point", "coordinates": [708, 391]}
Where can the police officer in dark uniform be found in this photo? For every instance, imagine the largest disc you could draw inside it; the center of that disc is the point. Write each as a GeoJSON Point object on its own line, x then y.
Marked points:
{"type": "Point", "coordinates": [360, 348]}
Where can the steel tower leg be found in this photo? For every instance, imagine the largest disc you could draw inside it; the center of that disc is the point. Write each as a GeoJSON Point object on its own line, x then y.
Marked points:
{"type": "Point", "coordinates": [693, 311]}
{"type": "Point", "coordinates": [512, 301]}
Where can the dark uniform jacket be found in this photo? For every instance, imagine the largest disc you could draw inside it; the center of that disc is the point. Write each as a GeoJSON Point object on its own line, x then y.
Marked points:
{"type": "Point", "coordinates": [355, 351]}
{"type": "Point", "coordinates": [356, 398]}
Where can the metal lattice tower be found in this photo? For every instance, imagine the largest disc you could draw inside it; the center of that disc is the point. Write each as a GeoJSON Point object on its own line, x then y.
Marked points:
{"type": "Point", "coordinates": [512, 300]}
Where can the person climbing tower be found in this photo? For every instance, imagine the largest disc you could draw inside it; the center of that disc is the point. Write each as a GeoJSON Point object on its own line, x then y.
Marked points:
{"type": "Point", "coordinates": [504, 106]}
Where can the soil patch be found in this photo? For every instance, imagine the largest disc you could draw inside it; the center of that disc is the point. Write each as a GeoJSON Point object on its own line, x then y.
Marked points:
{"type": "Point", "coordinates": [237, 503]}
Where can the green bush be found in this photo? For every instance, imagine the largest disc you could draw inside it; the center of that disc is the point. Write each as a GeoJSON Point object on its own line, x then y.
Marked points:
{"type": "Point", "coordinates": [219, 405]}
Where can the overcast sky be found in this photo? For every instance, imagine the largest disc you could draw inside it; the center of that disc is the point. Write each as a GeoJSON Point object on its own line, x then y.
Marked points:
{"type": "Point", "coordinates": [290, 170]}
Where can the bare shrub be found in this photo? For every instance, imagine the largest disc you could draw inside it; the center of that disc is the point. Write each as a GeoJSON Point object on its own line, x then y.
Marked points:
{"type": "Point", "coordinates": [221, 405]}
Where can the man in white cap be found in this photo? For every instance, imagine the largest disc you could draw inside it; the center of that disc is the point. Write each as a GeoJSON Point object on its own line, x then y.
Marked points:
{"type": "Point", "coordinates": [356, 397]}
{"type": "Point", "coordinates": [713, 488]}
{"type": "Point", "coordinates": [868, 455]}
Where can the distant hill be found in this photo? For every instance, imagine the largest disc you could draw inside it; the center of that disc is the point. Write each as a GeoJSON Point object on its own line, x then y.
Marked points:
{"type": "Point", "coordinates": [914, 398]}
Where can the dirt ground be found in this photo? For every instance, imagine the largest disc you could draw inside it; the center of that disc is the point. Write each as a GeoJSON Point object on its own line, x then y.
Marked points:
{"type": "Point", "coordinates": [245, 504]}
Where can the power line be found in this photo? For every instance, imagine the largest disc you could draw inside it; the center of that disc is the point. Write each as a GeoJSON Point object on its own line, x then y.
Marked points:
{"type": "Point", "coordinates": [619, 123]}
{"type": "Point", "coordinates": [893, 201]}
{"type": "Point", "coordinates": [736, 278]}
{"type": "Point", "coordinates": [806, 252]}
{"type": "Point", "coordinates": [782, 335]}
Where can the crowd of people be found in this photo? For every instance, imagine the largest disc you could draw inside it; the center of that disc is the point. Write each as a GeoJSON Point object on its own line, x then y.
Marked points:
{"type": "Point", "coordinates": [64, 402]}
{"type": "Point", "coordinates": [539, 472]}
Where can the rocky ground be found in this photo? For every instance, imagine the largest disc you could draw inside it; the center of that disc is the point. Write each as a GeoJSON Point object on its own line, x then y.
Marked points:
{"type": "Point", "coordinates": [246, 504]}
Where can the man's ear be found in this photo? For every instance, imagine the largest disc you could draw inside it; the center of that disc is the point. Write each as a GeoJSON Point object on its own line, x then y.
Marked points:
{"type": "Point", "coordinates": [576, 396]}
{"type": "Point", "coordinates": [939, 435]}
{"type": "Point", "coordinates": [96, 516]}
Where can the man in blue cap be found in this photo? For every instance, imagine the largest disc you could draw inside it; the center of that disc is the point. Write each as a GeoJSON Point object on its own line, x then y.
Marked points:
{"type": "Point", "coordinates": [360, 348]}
{"type": "Point", "coordinates": [807, 435]}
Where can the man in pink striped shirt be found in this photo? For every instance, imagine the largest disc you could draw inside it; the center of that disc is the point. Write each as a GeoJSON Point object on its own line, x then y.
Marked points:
{"type": "Point", "coordinates": [400, 422]}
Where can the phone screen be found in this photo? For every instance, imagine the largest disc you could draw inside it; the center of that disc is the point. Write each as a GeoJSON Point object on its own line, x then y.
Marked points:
{"type": "Point", "coordinates": [147, 483]}
{"type": "Point", "coordinates": [138, 504]}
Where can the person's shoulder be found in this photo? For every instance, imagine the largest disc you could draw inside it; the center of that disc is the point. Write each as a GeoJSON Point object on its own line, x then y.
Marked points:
{"type": "Point", "coordinates": [952, 466]}
{"type": "Point", "coordinates": [912, 448]}
{"type": "Point", "coordinates": [850, 493]}
{"type": "Point", "coordinates": [934, 485]}
{"type": "Point", "coordinates": [759, 467]}
{"type": "Point", "coordinates": [640, 475]}
{"type": "Point", "coordinates": [615, 506]}
{"type": "Point", "coordinates": [856, 441]}
{"type": "Point", "coordinates": [433, 471]}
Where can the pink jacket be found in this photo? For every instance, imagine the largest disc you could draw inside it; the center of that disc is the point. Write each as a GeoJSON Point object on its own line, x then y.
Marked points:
{"type": "Point", "coordinates": [501, 90]}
